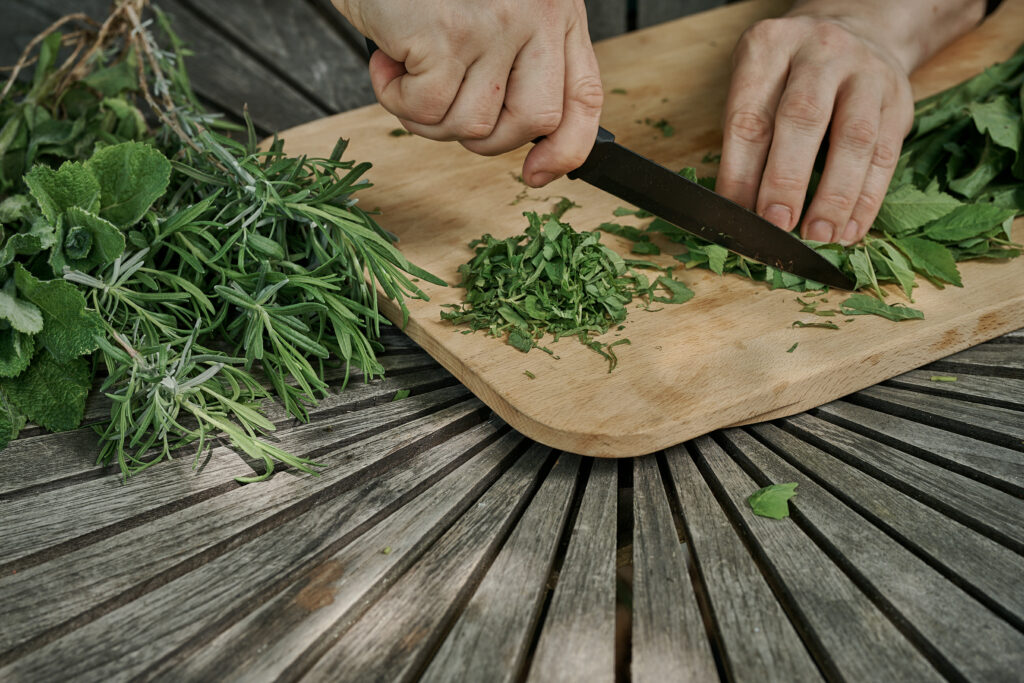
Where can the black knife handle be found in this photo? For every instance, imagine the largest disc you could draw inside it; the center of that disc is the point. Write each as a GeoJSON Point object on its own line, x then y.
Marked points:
{"type": "Point", "coordinates": [371, 47]}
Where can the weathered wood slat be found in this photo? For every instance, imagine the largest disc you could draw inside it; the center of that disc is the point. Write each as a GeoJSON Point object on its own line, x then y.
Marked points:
{"type": "Point", "coordinates": [180, 539]}
{"type": "Point", "coordinates": [395, 637]}
{"type": "Point", "coordinates": [998, 425]}
{"type": "Point", "coordinates": [489, 642]}
{"type": "Point", "coordinates": [992, 571]}
{"type": "Point", "coordinates": [935, 612]}
{"type": "Point", "coordinates": [289, 631]}
{"type": "Point", "coordinates": [103, 503]}
{"type": "Point", "coordinates": [320, 65]}
{"type": "Point", "coordinates": [669, 640]}
{"type": "Point", "coordinates": [996, 391]}
{"type": "Point", "coordinates": [996, 360]}
{"type": "Point", "coordinates": [577, 640]}
{"type": "Point", "coordinates": [753, 633]}
{"type": "Point", "coordinates": [995, 465]}
{"type": "Point", "coordinates": [851, 639]}
{"type": "Point", "coordinates": [29, 462]}
{"type": "Point", "coordinates": [984, 509]}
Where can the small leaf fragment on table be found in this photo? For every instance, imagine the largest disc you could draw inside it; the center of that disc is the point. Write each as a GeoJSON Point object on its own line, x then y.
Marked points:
{"type": "Point", "coordinates": [864, 304]}
{"type": "Point", "coordinates": [400, 394]}
{"type": "Point", "coordinates": [943, 378]}
{"type": "Point", "coordinates": [772, 501]}
{"type": "Point", "coordinates": [792, 348]}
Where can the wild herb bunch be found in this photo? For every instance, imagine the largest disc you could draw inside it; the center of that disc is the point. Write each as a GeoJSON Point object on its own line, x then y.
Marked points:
{"type": "Point", "coordinates": [198, 273]}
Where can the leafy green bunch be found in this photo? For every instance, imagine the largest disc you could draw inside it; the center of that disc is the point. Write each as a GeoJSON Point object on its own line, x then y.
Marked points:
{"type": "Point", "coordinates": [199, 273]}
{"type": "Point", "coordinates": [956, 190]}
{"type": "Point", "coordinates": [554, 280]}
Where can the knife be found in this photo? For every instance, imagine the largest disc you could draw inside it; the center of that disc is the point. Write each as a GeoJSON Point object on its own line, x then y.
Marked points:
{"type": "Point", "coordinates": [698, 210]}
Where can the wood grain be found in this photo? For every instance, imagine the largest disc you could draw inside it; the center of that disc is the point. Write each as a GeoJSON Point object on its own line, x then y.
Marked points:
{"type": "Point", "coordinates": [718, 360]}
{"type": "Point", "coordinates": [577, 641]}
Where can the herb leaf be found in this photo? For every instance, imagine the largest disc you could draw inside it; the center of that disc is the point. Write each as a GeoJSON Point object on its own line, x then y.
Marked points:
{"type": "Point", "coordinates": [772, 501]}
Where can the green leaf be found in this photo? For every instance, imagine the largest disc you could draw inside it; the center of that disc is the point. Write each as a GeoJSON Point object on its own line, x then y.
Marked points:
{"type": "Point", "coordinates": [400, 394]}
{"type": "Point", "coordinates": [56, 191]}
{"type": "Point", "coordinates": [16, 349]}
{"type": "Point", "coordinates": [115, 79]}
{"type": "Point", "coordinates": [15, 208]}
{"type": "Point", "coordinates": [131, 176]}
{"type": "Point", "coordinates": [863, 304]}
{"type": "Point", "coordinates": [22, 315]}
{"type": "Point", "coordinates": [1000, 119]}
{"type": "Point", "coordinates": [86, 242]}
{"type": "Point", "coordinates": [680, 292]}
{"type": "Point", "coordinates": [772, 501]}
{"type": "Point", "coordinates": [51, 394]}
{"type": "Point", "coordinates": [645, 248]}
{"type": "Point", "coordinates": [966, 221]}
{"type": "Point", "coordinates": [69, 330]}
{"type": "Point", "coordinates": [716, 257]}
{"type": "Point", "coordinates": [907, 208]}
{"type": "Point", "coordinates": [930, 258]}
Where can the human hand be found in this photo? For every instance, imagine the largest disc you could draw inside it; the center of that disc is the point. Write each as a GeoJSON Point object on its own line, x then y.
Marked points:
{"type": "Point", "coordinates": [794, 77]}
{"type": "Point", "coordinates": [491, 75]}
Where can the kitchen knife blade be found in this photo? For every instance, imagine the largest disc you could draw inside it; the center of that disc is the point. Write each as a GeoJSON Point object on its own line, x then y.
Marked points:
{"type": "Point", "coordinates": [698, 210]}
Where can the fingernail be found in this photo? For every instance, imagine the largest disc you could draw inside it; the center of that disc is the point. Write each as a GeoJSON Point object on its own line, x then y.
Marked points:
{"type": "Point", "coordinates": [779, 215]}
{"type": "Point", "coordinates": [820, 231]}
{"type": "Point", "coordinates": [849, 235]}
{"type": "Point", "coordinates": [541, 178]}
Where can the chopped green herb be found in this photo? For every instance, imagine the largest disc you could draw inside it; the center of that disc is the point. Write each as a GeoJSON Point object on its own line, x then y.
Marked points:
{"type": "Point", "coordinates": [772, 501]}
{"type": "Point", "coordinates": [943, 378]}
{"type": "Point", "coordinates": [626, 211]}
{"type": "Point", "coordinates": [386, 550]}
{"type": "Point", "coordinates": [618, 91]}
{"type": "Point", "coordinates": [663, 125]}
{"type": "Point", "coordinates": [711, 158]}
{"type": "Point", "coordinates": [792, 348]}
{"type": "Point", "coordinates": [529, 374]}
{"type": "Point", "coordinates": [399, 132]}
{"type": "Point", "coordinates": [827, 326]}
{"type": "Point", "coordinates": [400, 394]}
{"type": "Point", "coordinates": [862, 304]}
{"type": "Point", "coordinates": [554, 280]}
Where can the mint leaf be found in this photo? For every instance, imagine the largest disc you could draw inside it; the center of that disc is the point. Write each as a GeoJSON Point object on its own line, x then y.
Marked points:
{"type": "Point", "coordinates": [131, 176]}
{"type": "Point", "coordinates": [967, 221]}
{"type": "Point", "coordinates": [86, 242]}
{"type": "Point", "coordinates": [56, 191]}
{"type": "Point", "coordinates": [680, 292]}
{"type": "Point", "coordinates": [51, 394]}
{"type": "Point", "coordinates": [898, 265]}
{"type": "Point", "coordinates": [930, 258]}
{"type": "Point", "coordinates": [14, 208]}
{"type": "Point", "coordinates": [22, 315]}
{"type": "Point", "coordinates": [716, 257]}
{"type": "Point", "coordinates": [907, 208]}
{"type": "Point", "coordinates": [68, 329]}
{"type": "Point", "coordinates": [863, 304]}
{"type": "Point", "coordinates": [16, 350]}
{"type": "Point", "coordinates": [772, 501]}
{"type": "Point", "coordinates": [1000, 119]}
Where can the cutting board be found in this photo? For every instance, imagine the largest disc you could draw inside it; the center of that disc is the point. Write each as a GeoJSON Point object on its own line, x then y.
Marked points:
{"type": "Point", "coordinates": [720, 359]}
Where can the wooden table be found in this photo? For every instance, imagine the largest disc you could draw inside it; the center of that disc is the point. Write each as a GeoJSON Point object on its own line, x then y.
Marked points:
{"type": "Point", "coordinates": [439, 544]}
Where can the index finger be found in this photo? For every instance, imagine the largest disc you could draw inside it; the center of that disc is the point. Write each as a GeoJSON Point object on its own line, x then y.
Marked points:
{"type": "Point", "coordinates": [421, 92]}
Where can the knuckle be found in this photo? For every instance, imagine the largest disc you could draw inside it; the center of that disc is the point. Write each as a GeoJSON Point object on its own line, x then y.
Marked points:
{"type": "Point", "coordinates": [858, 134]}
{"type": "Point", "coordinates": [803, 110]}
{"type": "Point", "coordinates": [785, 183]}
{"type": "Point", "coordinates": [545, 122]}
{"type": "Point", "coordinates": [885, 155]}
{"type": "Point", "coordinates": [588, 92]}
{"type": "Point", "coordinates": [871, 200]}
{"type": "Point", "coordinates": [476, 129]}
{"type": "Point", "coordinates": [750, 125]}
{"type": "Point", "coordinates": [836, 201]}
{"type": "Point", "coordinates": [427, 113]}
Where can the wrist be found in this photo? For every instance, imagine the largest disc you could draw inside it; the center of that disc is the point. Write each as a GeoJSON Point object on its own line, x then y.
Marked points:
{"type": "Point", "coordinates": [910, 31]}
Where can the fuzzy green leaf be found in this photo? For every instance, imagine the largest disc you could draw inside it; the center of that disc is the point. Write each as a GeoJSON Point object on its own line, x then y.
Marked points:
{"type": "Point", "coordinates": [22, 315]}
{"type": "Point", "coordinates": [69, 330]}
{"type": "Point", "coordinates": [864, 304]}
{"type": "Point", "coordinates": [907, 208]}
{"type": "Point", "coordinates": [51, 394]}
{"type": "Point", "coordinates": [1000, 119]}
{"type": "Point", "coordinates": [967, 221]}
{"type": "Point", "coordinates": [56, 191]}
{"type": "Point", "coordinates": [131, 176]}
{"type": "Point", "coordinates": [16, 351]}
{"type": "Point", "coordinates": [930, 258]}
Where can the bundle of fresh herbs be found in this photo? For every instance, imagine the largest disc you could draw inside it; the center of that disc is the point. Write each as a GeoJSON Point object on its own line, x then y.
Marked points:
{"type": "Point", "coordinates": [554, 280]}
{"type": "Point", "coordinates": [188, 269]}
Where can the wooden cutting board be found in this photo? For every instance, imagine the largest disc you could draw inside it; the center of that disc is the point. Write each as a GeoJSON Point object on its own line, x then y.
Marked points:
{"type": "Point", "coordinates": [720, 359]}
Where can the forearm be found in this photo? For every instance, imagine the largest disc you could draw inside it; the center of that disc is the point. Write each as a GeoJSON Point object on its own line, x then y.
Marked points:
{"type": "Point", "coordinates": [911, 30]}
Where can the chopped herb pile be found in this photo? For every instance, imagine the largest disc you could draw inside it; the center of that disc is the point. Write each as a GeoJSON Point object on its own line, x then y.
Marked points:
{"type": "Point", "coordinates": [554, 280]}
{"type": "Point", "coordinates": [195, 273]}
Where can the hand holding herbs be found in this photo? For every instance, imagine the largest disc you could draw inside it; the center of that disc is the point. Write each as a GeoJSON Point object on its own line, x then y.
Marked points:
{"type": "Point", "coordinates": [835, 68]}
{"type": "Point", "coordinates": [192, 274]}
